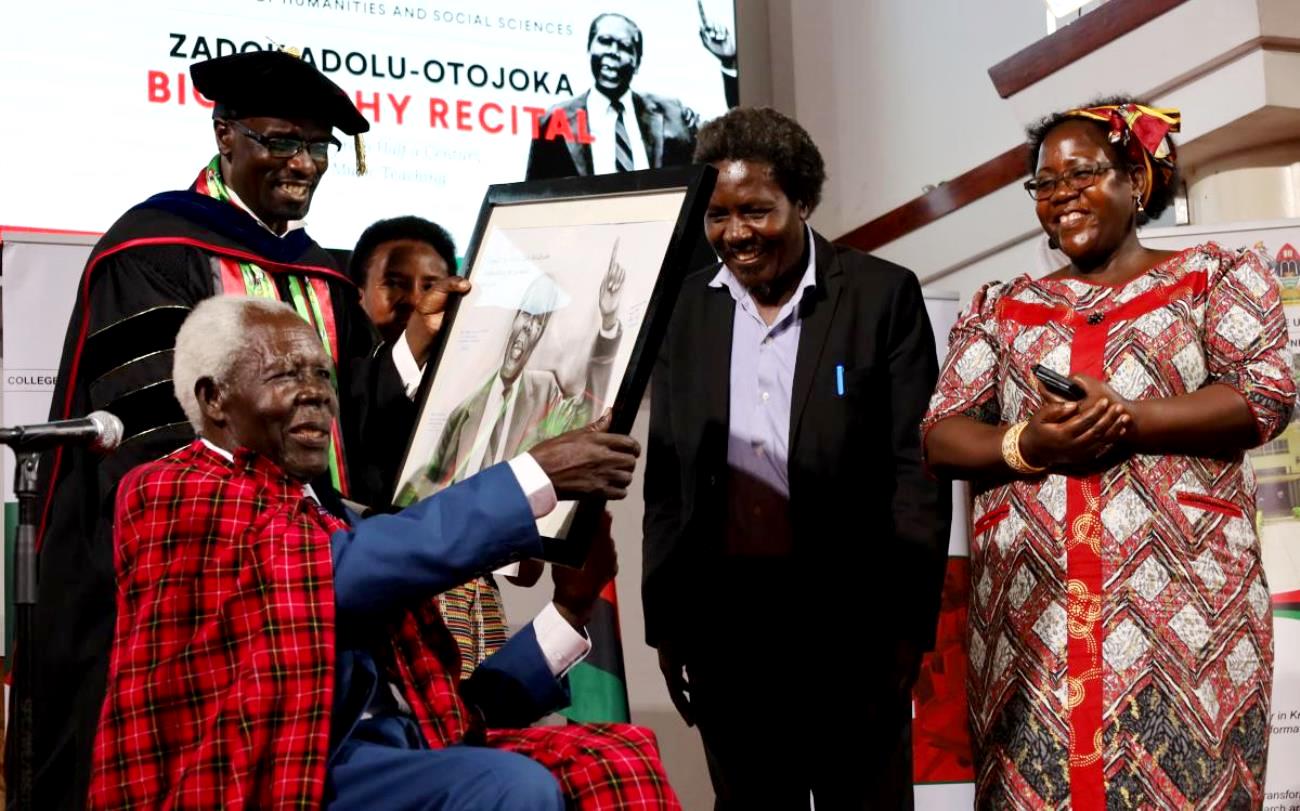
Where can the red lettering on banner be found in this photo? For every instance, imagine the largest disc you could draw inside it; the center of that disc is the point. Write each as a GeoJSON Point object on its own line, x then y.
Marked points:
{"type": "Point", "coordinates": [584, 134]}
{"type": "Point", "coordinates": [160, 90]}
{"type": "Point", "coordinates": [482, 117]}
{"type": "Point", "coordinates": [437, 113]}
{"type": "Point", "coordinates": [536, 114]}
{"type": "Point", "coordinates": [373, 105]}
{"type": "Point", "coordinates": [490, 117]}
{"type": "Point", "coordinates": [400, 109]}
{"type": "Point", "coordinates": [559, 127]}
{"type": "Point", "coordinates": [159, 93]}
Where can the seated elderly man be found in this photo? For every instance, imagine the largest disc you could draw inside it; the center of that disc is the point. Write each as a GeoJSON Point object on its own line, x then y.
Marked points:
{"type": "Point", "coordinates": [272, 650]}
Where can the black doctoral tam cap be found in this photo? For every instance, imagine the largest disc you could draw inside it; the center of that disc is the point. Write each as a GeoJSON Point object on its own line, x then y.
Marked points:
{"type": "Point", "coordinates": [276, 84]}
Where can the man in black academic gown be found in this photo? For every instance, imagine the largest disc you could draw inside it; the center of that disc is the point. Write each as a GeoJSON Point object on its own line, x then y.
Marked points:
{"type": "Point", "coordinates": [236, 230]}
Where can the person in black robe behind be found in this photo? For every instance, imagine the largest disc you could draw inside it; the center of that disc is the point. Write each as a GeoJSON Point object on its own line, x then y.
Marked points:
{"type": "Point", "coordinates": [236, 230]}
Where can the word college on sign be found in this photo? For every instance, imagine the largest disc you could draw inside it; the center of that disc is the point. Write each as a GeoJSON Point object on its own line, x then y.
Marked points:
{"type": "Point", "coordinates": [32, 380]}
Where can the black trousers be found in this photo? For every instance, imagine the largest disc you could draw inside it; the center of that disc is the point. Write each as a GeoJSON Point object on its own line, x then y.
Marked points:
{"type": "Point", "coordinates": [792, 699]}
{"type": "Point", "coordinates": [772, 738]}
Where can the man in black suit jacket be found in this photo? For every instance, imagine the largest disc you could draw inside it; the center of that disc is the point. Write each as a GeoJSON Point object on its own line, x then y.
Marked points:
{"type": "Point", "coordinates": [586, 141]}
{"type": "Point", "coordinates": [790, 529]}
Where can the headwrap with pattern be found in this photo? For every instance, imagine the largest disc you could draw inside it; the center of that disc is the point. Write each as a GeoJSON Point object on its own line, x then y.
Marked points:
{"type": "Point", "coordinates": [1142, 131]}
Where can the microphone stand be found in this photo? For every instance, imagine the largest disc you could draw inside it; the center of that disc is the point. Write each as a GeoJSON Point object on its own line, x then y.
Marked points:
{"type": "Point", "coordinates": [22, 772]}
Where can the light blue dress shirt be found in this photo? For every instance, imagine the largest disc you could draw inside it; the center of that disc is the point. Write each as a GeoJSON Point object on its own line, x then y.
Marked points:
{"type": "Point", "coordinates": [762, 379]}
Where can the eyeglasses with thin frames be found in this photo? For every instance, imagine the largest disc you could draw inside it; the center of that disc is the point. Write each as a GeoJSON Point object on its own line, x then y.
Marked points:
{"type": "Point", "coordinates": [1078, 178]}
{"type": "Point", "coordinates": [285, 146]}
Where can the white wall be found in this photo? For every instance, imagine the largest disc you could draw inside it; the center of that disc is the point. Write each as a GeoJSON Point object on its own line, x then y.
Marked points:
{"type": "Point", "coordinates": [897, 96]}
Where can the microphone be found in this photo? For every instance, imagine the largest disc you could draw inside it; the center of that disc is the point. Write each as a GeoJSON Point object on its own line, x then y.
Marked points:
{"type": "Point", "coordinates": [100, 429]}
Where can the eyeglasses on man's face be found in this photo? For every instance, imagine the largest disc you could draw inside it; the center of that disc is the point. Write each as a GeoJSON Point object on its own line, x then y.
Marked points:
{"type": "Point", "coordinates": [1078, 178]}
{"type": "Point", "coordinates": [285, 146]}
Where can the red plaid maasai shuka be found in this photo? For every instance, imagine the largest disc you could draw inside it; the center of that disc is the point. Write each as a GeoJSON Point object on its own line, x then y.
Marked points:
{"type": "Point", "coordinates": [598, 765]}
{"type": "Point", "coordinates": [221, 676]}
{"type": "Point", "coordinates": [221, 672]}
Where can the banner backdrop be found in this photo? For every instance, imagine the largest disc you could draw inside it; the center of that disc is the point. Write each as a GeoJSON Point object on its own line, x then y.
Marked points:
{"type": "Point", "coordinates": [942, 769]}
{"type": "Point", "coordinates": [99, 111]}
{"type": "Point", "coordinates": [40, 273]}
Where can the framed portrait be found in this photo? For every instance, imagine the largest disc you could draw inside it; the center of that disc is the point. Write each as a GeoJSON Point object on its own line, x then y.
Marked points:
{"type": "Point", "coordinates": [574, 281]}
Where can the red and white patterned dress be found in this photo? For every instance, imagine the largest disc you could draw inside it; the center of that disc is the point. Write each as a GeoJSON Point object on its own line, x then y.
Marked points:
{"type": "Point", "coordinates": [1121, 642]}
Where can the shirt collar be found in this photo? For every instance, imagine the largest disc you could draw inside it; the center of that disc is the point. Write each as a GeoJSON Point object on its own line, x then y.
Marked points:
{"type": "Point", "coordinates": [230, 457]}
{"type": "Point", "coordinates": [604, 103]}
{"type": "Point", "coordinates": [218, 450]}
{"type": "Point", "coordinates": [289, 227]}
{"type": "Point", "coordinates": [725, 278]}
{"type": "Point", "coordinates": [502, 387]}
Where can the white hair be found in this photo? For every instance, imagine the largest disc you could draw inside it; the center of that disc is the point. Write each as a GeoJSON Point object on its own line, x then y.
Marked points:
{"type": "Point", "coordinates": [209, 343]}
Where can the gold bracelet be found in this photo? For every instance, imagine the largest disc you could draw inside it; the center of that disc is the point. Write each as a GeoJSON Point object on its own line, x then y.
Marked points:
{"type": "Point", "coordinates": [1011, 450]}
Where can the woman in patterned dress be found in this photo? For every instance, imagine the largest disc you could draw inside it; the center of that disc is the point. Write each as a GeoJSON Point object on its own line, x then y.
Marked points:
{"type": "Point", "coordinates": [1120, 630]}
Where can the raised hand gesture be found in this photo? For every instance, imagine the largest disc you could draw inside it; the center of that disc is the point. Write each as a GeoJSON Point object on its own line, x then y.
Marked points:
{"type": "Point", "coordinates": [611, 288]}
{"type": "Point", "coordinates": [717, 39]}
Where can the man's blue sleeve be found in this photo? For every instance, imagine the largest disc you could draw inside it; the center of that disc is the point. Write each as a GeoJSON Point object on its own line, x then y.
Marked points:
{"type": "Point", "coordinates": [514, 687]}
{"type": "Point", "coordinates": [445, 540]}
